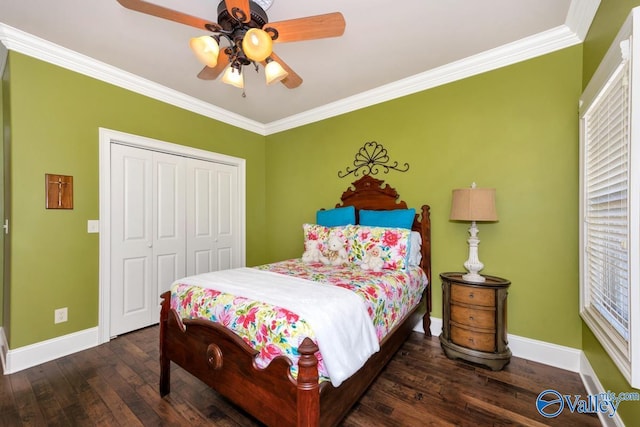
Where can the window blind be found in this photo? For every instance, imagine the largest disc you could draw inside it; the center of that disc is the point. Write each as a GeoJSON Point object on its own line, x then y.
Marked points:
{"type": "Point", "coordinates": [607, 141]}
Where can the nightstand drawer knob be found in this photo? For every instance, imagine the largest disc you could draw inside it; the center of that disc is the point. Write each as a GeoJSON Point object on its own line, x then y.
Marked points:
{"type": "Point", "coordinates": [470, 295]}
{"type": "Point", "coordinates": [471, 318]}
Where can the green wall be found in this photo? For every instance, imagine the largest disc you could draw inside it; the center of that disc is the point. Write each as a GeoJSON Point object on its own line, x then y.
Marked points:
{"type": "Point", "coordinates": [4, 112]}
{"type": "Point", "coordinates": [610, 17]}
{"type": "Point", "coordinates": [604, 28]}
{"type": "Point", "coordinates": [55, 116]}
{"type": "Point", "coordinates": [514, 129]}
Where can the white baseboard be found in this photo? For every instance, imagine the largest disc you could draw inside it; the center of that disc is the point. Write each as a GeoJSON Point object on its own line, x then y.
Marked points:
{"type": "Point", "coordinates": [559, 356]}
{"type": "Point", "coordinates": [594, 387]}
{"type": "Point", "coordinates": [45, 351]}
{"type": "Point", "coordinates": [4, 348]}
{"type": "Point", "coordinates": [538, 351]}
{"type": "Point", "coordinates": [436, 326]}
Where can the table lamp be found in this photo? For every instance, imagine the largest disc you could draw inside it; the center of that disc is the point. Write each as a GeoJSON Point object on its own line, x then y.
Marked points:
{"type": "Point", "coordinates": [473, 204]}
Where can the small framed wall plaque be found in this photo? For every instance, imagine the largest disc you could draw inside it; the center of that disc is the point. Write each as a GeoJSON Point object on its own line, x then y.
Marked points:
{"type": "Point", "coordinates": [59, 191]}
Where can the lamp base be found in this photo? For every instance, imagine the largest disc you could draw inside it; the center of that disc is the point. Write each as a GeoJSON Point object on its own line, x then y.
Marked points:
{"type": "Point", "coordinates": [473, 264]}
{"type": "Point", "coordinates": [473, 277]}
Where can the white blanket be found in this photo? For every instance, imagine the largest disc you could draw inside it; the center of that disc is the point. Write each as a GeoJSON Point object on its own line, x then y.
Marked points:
{"type": "Point", "coordinates": [344, 331]}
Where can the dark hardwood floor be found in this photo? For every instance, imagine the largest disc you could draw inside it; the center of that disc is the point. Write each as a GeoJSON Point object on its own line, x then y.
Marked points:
{"type": "Point", "coordinates": [117, 384]}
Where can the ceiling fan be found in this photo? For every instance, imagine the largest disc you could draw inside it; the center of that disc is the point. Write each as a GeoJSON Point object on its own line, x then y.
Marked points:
{"type": "Point", "coordinates": [246, 28]}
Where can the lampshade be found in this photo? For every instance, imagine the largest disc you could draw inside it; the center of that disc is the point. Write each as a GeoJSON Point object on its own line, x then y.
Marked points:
{"type": "Point", "coordinates": [206, 50]}
{"type": "Point", "coordinates": [233, 77]}
{"type": "Point", "coordinates": [474, 204]}
{"type": "Point", "coordinates": [257, 44]}
{"type": "Point", "coordinates": [274, 72]}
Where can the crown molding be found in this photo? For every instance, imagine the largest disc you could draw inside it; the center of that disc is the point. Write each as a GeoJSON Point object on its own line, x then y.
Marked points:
{"type": "Point", "coordinates": [4, 54]}
{"type": "Point", "coordinates": [580, 16]}
{"type": "Point", "coordinates": [28, 44]}
{"type": "Point", "coordinates": [577, 23]}
{"type": "Point", "coordinates": [521, 50]}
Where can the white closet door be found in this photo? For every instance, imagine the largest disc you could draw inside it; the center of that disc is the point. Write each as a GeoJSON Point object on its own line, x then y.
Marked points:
{"type": "Point", "coordinates": [148, 233]}
{"type": "Point", "coordinates": [213, 231]}
{"type": "Point", "coordinates": [169, 239]}
{"type": "Point", "coordinates": [131, 239]}
{"type": "Point", "coordinates": [227, 226]}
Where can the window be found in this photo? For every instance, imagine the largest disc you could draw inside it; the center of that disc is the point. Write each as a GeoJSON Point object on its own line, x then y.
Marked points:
{"type": "Point", "coordinates": [609, 279]}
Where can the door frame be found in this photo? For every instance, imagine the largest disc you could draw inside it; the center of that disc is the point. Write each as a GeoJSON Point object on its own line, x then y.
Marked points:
{"type": "Point", "coordinates": [108, 137]}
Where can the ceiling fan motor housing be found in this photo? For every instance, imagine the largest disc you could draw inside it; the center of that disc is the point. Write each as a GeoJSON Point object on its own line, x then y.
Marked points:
{"type": "Point", "coordinates": [229, 23]}
{"type": "Point", "coordinates": [236, 29]}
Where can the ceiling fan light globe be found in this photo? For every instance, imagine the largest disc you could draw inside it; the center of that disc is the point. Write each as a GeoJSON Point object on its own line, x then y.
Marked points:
{"type": "Point", "coordinates": [233, 77]}
{"type": "Point", "coordinates": [257, 44]}
{"type": "Point", "coordinates": [206, 50]}
{"type": "Point", "coordinates": [274, 72]}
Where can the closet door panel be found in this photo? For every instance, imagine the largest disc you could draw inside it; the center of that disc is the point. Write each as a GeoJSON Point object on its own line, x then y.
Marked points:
{"type": "Point", "coordinates": [201, 202]}
{"type": "Point", "coordinates": [169, 245]}
{"type": "Point", "coordinates": [226, 225]}
{"type": "Point", "coordinates": [224, 258]}
{"type": "Point", "coordinates": [132, 240]}
{"type": "Point", "coordinates": [134, 296]}
{"type": "Point", "coordinates": [213, 228]}
{"type": "Point", "coordinates": [202, 262]}
{"type": "Point", "coordinates": [200, 217]}
{"type": "Point", "coordinates": [168, 268]}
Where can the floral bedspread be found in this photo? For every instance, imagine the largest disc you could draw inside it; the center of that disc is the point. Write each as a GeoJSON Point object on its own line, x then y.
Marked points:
{"type": "Point", "coordinates": [275, 331]}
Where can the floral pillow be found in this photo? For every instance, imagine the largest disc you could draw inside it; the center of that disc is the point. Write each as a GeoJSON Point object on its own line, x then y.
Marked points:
{"type": "Point", "coordinates": [393, 244]}
{"type": "Point", "coordinates": [321, 233]}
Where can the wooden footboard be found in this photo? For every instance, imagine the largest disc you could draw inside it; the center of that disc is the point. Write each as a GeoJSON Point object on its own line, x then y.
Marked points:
{"type": "Point", "coordinates": [225, 362]}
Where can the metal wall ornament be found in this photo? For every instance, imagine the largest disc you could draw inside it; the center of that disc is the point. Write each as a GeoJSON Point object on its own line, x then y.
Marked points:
{"type": "Point", "coordinates": [370, 159]}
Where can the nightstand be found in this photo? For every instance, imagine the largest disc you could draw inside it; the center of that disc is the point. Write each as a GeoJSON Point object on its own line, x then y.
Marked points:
{"type": "Point", "coordinates": [474, 320]}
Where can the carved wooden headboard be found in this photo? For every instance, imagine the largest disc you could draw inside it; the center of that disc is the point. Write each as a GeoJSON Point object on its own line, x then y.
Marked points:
{"type": "Point", "coordinates": [373, 194]}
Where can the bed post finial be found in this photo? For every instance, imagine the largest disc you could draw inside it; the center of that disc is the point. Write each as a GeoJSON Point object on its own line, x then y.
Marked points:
{"type": "Point", "coordinates": [308, 388]}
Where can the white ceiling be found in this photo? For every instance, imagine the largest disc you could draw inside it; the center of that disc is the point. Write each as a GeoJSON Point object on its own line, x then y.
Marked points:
{"type": "Point", "coordinates": [388, 48]}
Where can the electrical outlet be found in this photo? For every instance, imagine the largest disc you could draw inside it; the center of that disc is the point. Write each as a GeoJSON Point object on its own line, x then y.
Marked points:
{"type": "Point", "coordinates": [60, 315]}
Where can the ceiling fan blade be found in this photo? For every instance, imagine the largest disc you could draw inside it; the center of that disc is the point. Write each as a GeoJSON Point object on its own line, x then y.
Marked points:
{"type": "Point", "coordinates": [212, 73]}
{"type": "Point", "coordinates": [242, 5]}
{"type": "Point", "coordinates": [293, 80]}
{"type": "Point", "coordinates": [309, 28]}
{"type": "Point", "coordinates": [171, 15]}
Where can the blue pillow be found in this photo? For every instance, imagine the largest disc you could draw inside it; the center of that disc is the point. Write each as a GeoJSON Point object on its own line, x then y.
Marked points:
{"type": "Point", "coordinates": [397, 218]}
{"type": "Point", "coordinates": [336, 217]}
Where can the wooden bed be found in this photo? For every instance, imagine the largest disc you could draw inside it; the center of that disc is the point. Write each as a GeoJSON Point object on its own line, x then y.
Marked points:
{"type": "Point", "coordinates": [223, 361]}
